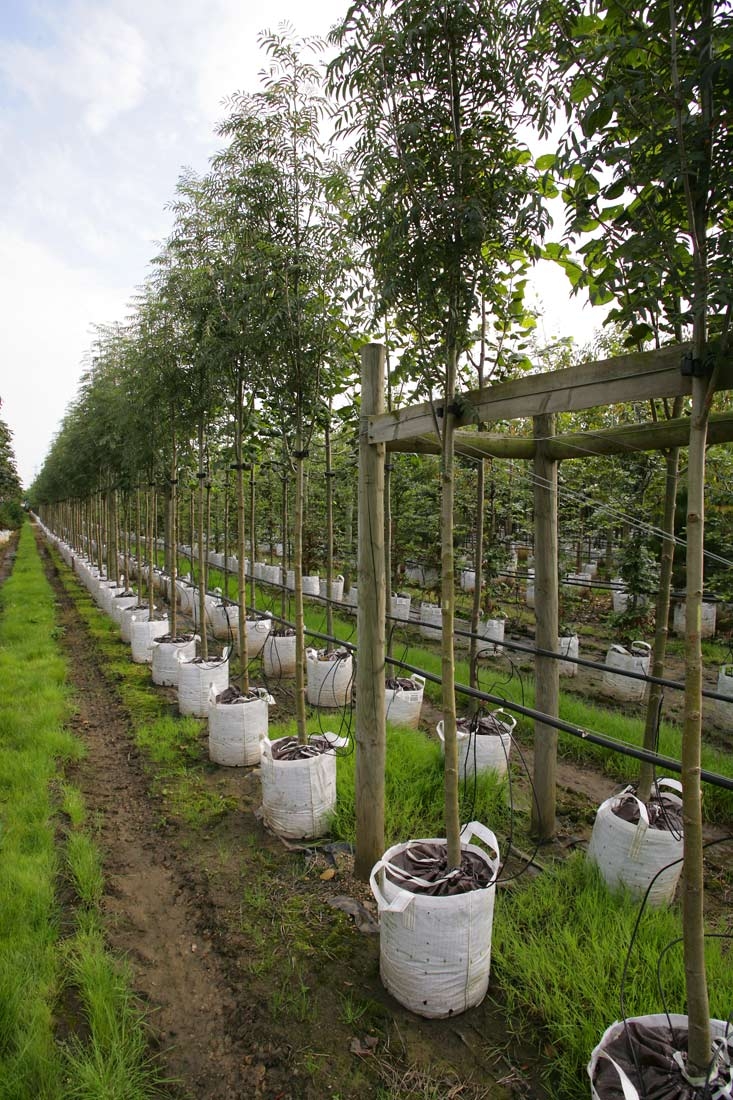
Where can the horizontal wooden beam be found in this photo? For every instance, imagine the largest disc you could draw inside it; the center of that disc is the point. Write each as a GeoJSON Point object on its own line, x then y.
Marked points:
{"type": "Point", "coordinates": [635, 377]}
{"type": "Point", "coordinates": [651, 436]}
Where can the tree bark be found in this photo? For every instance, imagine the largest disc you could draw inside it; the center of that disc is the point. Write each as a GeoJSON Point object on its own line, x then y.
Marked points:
{"type": "Point", "coordinates": [547, 674]}
{"type": "Point", "coordinates": [370, 668]}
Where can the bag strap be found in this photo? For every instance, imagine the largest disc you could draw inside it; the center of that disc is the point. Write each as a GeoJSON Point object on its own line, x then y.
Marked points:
{"type": "Point", "coordinates": [629, 1090]}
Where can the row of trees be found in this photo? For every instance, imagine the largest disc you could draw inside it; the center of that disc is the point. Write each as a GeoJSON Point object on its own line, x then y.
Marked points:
{"type": "Point", "coordinates": [424, 231]}
{"type": "Point", "coordinates": [11, 490]}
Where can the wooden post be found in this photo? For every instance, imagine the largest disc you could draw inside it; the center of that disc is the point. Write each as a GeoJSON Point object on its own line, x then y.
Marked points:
{"type": "Point", "coordinates": [370, 669]}
{"type": "Point", "coordinates": [547, 671]}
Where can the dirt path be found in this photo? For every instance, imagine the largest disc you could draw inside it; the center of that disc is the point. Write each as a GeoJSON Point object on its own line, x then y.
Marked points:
{"type": "Point", "coordinates": [156, 909]}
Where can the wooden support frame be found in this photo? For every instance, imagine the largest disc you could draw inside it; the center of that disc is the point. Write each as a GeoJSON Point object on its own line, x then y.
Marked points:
{"type": "Point", "coordinates": [654, 435]}
{"type": "Point", "coordinates": [636, 377]}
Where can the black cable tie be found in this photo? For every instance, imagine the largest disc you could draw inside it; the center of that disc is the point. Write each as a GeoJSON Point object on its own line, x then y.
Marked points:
{"type": "Point", "coordinates": [174, 481]}
{"type": "Point", "coordinates": [200, 476]}
{"type": "Point", "coordinates": [690, 367]}
{"type": "Point", "coordinates": [330, 473]}
{"type": "Point", "coordinates": [301, 454]}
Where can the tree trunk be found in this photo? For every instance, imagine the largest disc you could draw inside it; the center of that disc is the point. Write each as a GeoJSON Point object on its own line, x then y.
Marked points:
{"type": "Point", "coordinates": [547, 674]}
{"type": "Point", "coordinates": [241, 542]}
{"type": "Point", "coordinates": [252, 537]}
{"type": "Point", "coordinates": [447, 600]}
{"type": "Point", "coordinates": [173, 511]}
{"type": "Point", "coordinates": [200, 549]}
{"type": "Point", "coordinates": [693, 930]}
{"type": "Point", "coordinates": [661, 615]}
{"type": "Point", "coordinates": [478, 557]}
{"type": "Point", "coordinates": [329, 525]}
{"type": "Point", "coordinates": [370, 667]}
{"type": "Point", "coordinates": [298, 594]}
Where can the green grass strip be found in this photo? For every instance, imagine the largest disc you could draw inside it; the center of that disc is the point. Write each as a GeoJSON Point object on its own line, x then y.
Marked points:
{"type": "Point", "coordinates": [560, 945]}
{"type": "Point", "coordinates": [34, 964]}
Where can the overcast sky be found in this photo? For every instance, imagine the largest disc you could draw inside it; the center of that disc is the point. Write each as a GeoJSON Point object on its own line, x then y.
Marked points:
{"type": "Point", "coordinates": [102, 104]}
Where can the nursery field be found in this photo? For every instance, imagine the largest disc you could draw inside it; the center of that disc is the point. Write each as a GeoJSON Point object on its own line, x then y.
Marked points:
{"type": "Point", "coordinates": [256, 960]}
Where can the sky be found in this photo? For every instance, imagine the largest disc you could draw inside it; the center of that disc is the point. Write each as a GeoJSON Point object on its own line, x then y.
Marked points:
{"type": "Point", "coordinates": [103, 103]}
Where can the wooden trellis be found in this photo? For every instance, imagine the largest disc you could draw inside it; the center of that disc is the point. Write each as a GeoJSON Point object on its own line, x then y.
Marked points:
{"type": "Point", "coordinates": [628, 378]}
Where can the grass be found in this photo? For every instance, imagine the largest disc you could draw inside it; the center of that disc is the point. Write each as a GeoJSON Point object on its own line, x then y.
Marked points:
{"type": "Point", "coordinates": [36, 967]}
{"type": "Point", "coordinates": [560, 946]}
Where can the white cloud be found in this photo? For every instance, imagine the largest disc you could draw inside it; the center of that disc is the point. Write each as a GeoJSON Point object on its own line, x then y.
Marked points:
{"type": "Point", "coordinates": [97, 61]}
{"type": "Point", "coordinates": [49, 307]}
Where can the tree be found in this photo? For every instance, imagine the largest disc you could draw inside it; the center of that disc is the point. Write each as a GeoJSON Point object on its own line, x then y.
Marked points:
{"type": "Point", "coordinates": [432, 99]}
{"type": "Point", "coordinates": [11, 492]}
{"type": "Point", "coordinates": [302, 265]}
{"type": "Point", "coordinates": [649, 155]}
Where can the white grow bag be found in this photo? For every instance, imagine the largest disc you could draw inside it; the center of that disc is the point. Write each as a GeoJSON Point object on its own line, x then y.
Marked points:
{"type": "Point", "coordinates": [140, 613]}
{"type": "Point", "coordinates": [278, 656]}
{"type": "Point", "coordinates": [299, 796]}
{"type": "Point", "coordinates": [630, 854]}
{"type": "Point", "coordinates": [468, 580]}
{"type": "Point", "coordinates": [185, 594]}
{"type": "Point", "coordinates": [435, 952]}
{"type": "Point", "coordinates": [619, 596]}
{"type": "Point", "coordinates": [290, 579]}
{"type": "Point", "coordinates": [237, 730]}
{"type": "Point", "coordinates": [400, 608]}
{"type": "Point", "coordinates": [403, 704]}
{"type": "Point", "coordinates": [337, 589]}
{"type": "Point", "coordinates": [569, 646]}
{"type": "Point", "coordinates": [311, 585]}
{"type": "Point", "coordinates": [196, 679]}
{"type": "Point", "coordinates": [330, 680]}
{"type": "Point", "coordinates": [634, 660]}
{"type": "Point", "coordinates": [707, 619]}
{"type": "Point", "coordinates": [482, 751]}
{"type": "Point", "coordinates": [257, 631]}
{"type": "Point", "coordinates": [491, 631]}
{"type": "Point", "coordinates": [143, 633]}
{"type": "Point", "coordinates": [719, 1029]}
{"type": "Point", "coordinates": [224, 620]}
{"type": "Point", "coordinates": [119, 604]}
{"type": "Point", "coordinates": [723, 710]}
{"type": "Point", "coordinates": [165, 659]}
{"type": "Point", "coordinates": [431, 621]}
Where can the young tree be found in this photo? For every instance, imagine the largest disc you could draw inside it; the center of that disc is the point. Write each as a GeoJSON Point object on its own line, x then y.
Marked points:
{"type": "Point", "coordinates": [650, 156]}
{"type": "Point", "coordinates": [432, 101]}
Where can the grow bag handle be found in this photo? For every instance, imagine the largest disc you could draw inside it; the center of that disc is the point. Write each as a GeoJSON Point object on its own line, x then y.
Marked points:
{"type": "Point", "coordinates": [673, 784]}
{"type": "Point", "coordinates": [641, 828]}
{"type": "Point", "coordinates": [461, 735]}
{"type": "Point", "coordinates": [629, 1090]}
{"type": "Point", "coordinates": [507, 720]}
{"type": "Point", "coordinates": [399, 903]}
{"type": "Point", "coordinates": [481, 832]}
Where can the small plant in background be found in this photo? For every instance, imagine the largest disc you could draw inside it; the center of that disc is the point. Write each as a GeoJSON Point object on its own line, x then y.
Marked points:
{"type": "Point", "coordinates": [639, 570]}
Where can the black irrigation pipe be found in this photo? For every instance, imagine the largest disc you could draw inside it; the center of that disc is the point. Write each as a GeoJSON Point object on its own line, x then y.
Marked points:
{"type": "Point", "coordinates": [584, 663]}
{"type": "Point", "coordinates": [593, 738]}
{"type": "Point", "coordinates": [534, 651]}
{"type": "Point", "coordinates": [620, 747]}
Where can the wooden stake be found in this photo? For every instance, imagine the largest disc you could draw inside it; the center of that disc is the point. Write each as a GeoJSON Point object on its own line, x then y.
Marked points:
{"type": "Point", "coordinates": [370, 670]}
{"type": "Point", "coordinates": [547, 670]}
